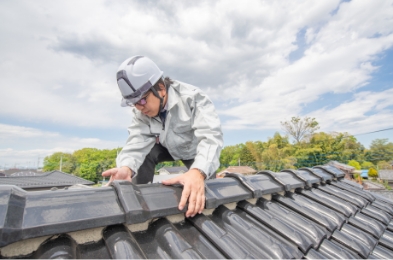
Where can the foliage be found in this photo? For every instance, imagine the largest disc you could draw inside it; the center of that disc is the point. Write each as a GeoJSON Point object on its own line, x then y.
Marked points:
{"type": "Point", "coordinates": [386, 185]}
{"type": "Point", "coordinates": [367, 165]}
{"type": "Point", "coordinates": [354, 164]}
{"type": "Point", "coordinates": [275, 154]}
{"type": "Point", "coordinates": [382, 165]}
{"type": "Point", "coordinates": [380, 150]}
{"type": "Point", "coordinates": [53, 162]}
{"type": "Point", "coordinates": [372, 173]}
{"type": "Point", "coordinates": [87, 163]}
{"type": "Point", "coordinates": [300, 128]}
{"type": "Point", "coordinates": [323, 147]}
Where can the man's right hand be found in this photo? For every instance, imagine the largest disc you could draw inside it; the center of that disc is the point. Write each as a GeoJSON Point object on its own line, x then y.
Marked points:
{"type": "Point", "coordinates": [123, 173]}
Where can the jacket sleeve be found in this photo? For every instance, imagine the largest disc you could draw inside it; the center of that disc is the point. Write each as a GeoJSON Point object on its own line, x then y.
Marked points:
{"type": "Point", "coordinates": [139, 142]}
{"type": "Point", "coordinates": [207, 130]}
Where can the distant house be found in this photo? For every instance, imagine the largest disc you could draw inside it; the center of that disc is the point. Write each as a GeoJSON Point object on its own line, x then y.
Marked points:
{"type": "Point", "coordinates": [245, 170]}
{"type": "Point", "coordinates": [172, 170]}
{"type": "Point", "coordinates": [44, 181]}
{"type": "Point", "coordinates": [25, 173]}
{"type": "Point", "coordinates": [15, 171]}
{"type": "Point", "coordinates": [386, 175]}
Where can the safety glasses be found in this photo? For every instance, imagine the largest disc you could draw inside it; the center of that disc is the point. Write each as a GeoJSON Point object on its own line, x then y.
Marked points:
{"type": "Point", "coordinates": [140, 102]}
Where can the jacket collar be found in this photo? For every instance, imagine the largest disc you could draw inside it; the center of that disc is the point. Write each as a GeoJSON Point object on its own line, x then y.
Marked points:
{"type": "Point", "coordinates": [173, 97]}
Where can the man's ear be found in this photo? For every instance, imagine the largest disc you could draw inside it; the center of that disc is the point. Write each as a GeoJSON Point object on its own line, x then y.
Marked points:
{"type": "Point", "coordinates": [162, 89]}
{"type": "Point", "coordinates": [162, 86]}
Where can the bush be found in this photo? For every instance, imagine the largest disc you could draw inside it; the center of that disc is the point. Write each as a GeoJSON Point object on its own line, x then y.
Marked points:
{"type": "Point", "coordinates": [355, 164]}
{"type": "Point", "coordinates": [372, 173]}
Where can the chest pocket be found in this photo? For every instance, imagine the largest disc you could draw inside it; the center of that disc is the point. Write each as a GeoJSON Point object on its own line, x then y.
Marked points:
{"type": "Point", "coordinates": [183, 134]}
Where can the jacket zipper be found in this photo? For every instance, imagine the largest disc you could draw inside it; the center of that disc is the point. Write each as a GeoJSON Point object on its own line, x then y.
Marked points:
{"type": "Point", "coordinates": [163, 128]}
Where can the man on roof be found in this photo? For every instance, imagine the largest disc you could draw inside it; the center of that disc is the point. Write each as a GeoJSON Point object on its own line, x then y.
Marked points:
{"type": "Point", "coordinates": [171, 121]}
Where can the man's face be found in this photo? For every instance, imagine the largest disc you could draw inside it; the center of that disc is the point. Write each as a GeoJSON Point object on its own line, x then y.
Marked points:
{"type": "Point", "coordinates": [152, 106]}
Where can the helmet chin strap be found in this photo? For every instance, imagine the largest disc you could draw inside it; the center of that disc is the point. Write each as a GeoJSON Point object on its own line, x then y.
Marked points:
{"type": "Point", "coordinates": [155, 92]}
{"type": "Point", "coordinates": [160, 98]}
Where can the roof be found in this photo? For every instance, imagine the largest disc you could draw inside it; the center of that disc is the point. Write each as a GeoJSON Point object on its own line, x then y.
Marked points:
{"type": "Point", "coordinates": [373, 186]}
{"type": "Point", "coordinates": [16, 170]}
{"type": "Point", "coordinates": [386, 174]}
{"type": "Point", "coordinates": [307, 213]}
{"type": "Point", "coordinates": [160, 178]}
{"type": "Point", "coordinates": [342, 166]}
{"type": "Point", "coordinates": [176, 169]}
{"type": "Point", "coordinates": [238, 169]}
{"type": "Point", "coordinates": [25, 173]}
{"type": "Point", "coordinates": [45, 180]}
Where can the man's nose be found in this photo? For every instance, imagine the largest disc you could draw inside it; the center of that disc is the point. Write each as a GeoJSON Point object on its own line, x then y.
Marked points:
{"type": "Point", "coordinates": [139, 107]}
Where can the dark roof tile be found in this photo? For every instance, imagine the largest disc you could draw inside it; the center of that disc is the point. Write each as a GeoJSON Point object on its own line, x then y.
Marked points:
{"type": "Point", "coordinates": [308, 214]}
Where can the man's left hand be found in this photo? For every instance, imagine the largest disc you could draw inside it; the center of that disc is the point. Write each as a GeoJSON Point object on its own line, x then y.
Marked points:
{"type": "Point", "coordinates": [193, 190]}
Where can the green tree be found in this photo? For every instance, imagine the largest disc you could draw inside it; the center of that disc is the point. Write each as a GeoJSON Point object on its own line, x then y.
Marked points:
{"type": "Point", "coordinates": [323, 147]}
{"type": "Point", "coordinates": [53, 162]}
{"type": "Point", "coordinates": [382, 165]}
{"type": "Point", "coordinates": [300, 128]}
{"type": "Point", "coordinates": [230, 155]}
{"type": "Point", "coordinates": [246, 156]}
{"type": "Point", "coordinates": [91, 162]}
{"type": "Point", "coordinates": [380, 150]}
{"type": "Point", "coordinates": [367, 165]}
{"type": "Point", "coordinates": [278, 154]}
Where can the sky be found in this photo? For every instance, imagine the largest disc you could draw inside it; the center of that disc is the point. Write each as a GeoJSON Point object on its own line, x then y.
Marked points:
{"type": "Point", "coordinates": [260, 62]}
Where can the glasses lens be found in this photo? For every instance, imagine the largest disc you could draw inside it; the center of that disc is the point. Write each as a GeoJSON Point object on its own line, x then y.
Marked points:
{"type": "Point", "coordinates": [142, 101]}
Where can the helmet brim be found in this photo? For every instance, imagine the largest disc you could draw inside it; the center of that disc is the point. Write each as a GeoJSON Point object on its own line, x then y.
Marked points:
{"type": "Point", "coordinates": [137, 95]}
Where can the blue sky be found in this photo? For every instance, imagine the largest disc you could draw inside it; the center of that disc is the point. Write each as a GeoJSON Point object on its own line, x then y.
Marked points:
{"type": "Point", "coordinates": [261, 63]}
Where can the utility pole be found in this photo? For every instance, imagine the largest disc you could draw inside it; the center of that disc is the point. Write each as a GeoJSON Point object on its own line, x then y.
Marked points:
{"type": "Point", "coordinates": [38, 162]}
{"type": "Point", "coordinates": [61, 161]}
{"type": "Point", "coordinates": [239, 161]}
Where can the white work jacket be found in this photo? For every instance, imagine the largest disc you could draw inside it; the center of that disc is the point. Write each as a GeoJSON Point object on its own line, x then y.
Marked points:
{"type": "Point", "coordinates": [192, 130]}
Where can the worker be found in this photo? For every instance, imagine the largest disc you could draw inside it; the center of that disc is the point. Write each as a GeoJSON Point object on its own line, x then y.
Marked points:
{"type": "Point", "coordinates": [171, 120]}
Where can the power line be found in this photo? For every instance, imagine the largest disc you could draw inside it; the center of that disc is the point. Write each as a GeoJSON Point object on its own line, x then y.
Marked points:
{"type": "Point", "coordinates": [376, 131]}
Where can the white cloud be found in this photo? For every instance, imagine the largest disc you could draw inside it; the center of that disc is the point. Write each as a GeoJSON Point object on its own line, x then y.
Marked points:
{"type": "Point", "coordinates": [22, 145]}
{"type": "Point", "coordinates": [339, 60]}
{"type": "Point", "coordinates": [352, 116]}
{"type": "Point", "coordinates": [59, 59]}
{"type": "Point", "coordinates": [15, 132]}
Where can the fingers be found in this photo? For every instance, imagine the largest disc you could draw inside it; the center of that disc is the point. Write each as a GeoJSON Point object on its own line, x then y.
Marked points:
{"type": "Point", "coordinates": [193, 192]}
{"type": "Point", "coordinates": [200, 203]}
{"type": "Point", "coordinates": [109, 172]}
{"type": "Point", "coordinates": [196, 201]}
{"type": "Point", "coordinates": [110, 181]}
{"type": "Point", "coordinates": [174, 180]}
{"type": "Point", "coordinates": [192, 200]}
{"type": "Point", "coordinates": [184, 197]}
{"type": "Point", "coordinates": [122, 173]}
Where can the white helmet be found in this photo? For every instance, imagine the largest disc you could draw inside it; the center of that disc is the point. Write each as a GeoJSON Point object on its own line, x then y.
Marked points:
{"type": "Point", "coordinates": [135, 76]}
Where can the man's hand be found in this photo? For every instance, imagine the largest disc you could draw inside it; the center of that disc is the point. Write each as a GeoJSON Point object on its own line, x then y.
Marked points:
{"type": "Point", "coordinates": [193, 191]}
{"type": "Point", "coordinates": [122, 173]}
